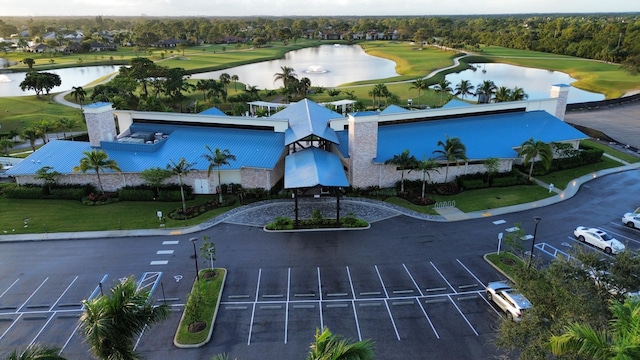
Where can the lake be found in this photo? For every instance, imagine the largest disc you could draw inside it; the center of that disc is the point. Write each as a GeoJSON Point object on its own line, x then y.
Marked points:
{"type": "Point", "coordinates": [70, 77]}
{"type": "Point", "coordinates": [535, 82]}
{"type": "Point", "coordinates": [325, 65]}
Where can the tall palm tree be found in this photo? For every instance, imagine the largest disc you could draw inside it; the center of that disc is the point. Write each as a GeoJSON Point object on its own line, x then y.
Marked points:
{"type": "Point", "coordinates": [181, 168]}
{"type": "Point", "coordinates": [36, 352]}
{"type": "Point", "coordinates": [403, 161]}
{"type": "Point", "coordinates": [464, 88]}
{"type": "Point", "coordinates": [32, 134]}
{"type": "Point", "coordinates": [216, 160]}
{"type": "Point", "coordinates": [285, 76]}
{"type": "Point", "coordinates": [518, 94]}
{"type": "Point", "coordinates": [225, 79]}
{"type": "Point", "coordinates": [485, 91]}
{"type": "Point", "coordinates": [532, 150]}
{"type": "Point", "coordinates": [419, 84]}
{"type": "Point", "coordinates": [426, 165]}
{"type": "Point", "coordinates": [111, 323]}
{"type": "Point", "coordinates": [78, 93]}
{"type": "Point", "coordinates": [453, 150]}
{"type": "Point", "coordinates": [203, 85]}
{"type": "Point", "coordinates": [98, 161]}
{"type": "Point", "coordinates": [621, 340]}
{"type": "Point", "coordinates": [44, 127]}
{"type": "Point", "coordinates": [503, 94]}
{"type": "Point", "coordinates": [328, 346]}
{"type": "Point", "coordinates": [443, 86]}
{"type": "Point", "coordinates": [235, 79]}
{"type": "Point", "coordinates": [68, 124]}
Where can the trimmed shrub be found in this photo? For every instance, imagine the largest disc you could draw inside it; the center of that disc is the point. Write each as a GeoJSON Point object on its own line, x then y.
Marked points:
{"type": "Point", "coordinates": [505, 181]}
{"type": "Point", "coordinates": [471, 184]}
{"type": "Point", "coordinates": [24, 192]}
{"type": "Point", "coordinates": [171, 195]}
{"type": "Point", "coordinates": [68, 193]}
{"type": "Point", "coordinates": [130, 193]}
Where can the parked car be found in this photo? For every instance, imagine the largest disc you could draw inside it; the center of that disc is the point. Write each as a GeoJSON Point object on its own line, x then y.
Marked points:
{"type": "Point", "coordinates": [599, 238]}
{"type": "Point", "coordinates": [632, 220]}
{"type": "Point", "coordinates": [509, 300]}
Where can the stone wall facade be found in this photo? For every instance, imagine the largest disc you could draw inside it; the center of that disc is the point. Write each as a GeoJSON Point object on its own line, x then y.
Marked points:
{"type": "Point", "coordinates": [363, 148]}
{"type": "Point", "coordinates": [101, 125]}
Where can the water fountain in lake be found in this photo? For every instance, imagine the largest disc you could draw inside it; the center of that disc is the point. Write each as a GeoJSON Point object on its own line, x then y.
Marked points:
{"type": "Point", "coordinates": [316, 69]}
{"type": "Point", "coordinates": [4, 79]}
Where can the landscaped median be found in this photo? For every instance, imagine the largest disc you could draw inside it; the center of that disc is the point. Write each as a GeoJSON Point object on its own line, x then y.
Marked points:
{"type": "Point", "coordinates": [200, 311]}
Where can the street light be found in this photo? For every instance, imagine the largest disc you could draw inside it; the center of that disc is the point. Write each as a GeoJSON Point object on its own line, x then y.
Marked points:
{"type": "Point", "coordinates": [533, 243]}
{"type": "Point", "coordinates": [195, 257]}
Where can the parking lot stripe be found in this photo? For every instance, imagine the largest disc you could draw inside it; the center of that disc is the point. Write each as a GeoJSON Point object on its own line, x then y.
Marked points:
{"type": "Point", "coordinates": [33, 293]}
{"type": "Point", "coordinates": [304, 306]}
{"type": "Point", "coordinates": [286, 309]}
{"type": "Point", "coordinates": [337, 294]}
{"type": "Point", "coordinates": [337, 305]}
{"type": "Point", "coordinates": [353, 304]}
{"type": "Point", "coordinates": [164, 252]}
{"type": "Point", "coordinates": [467, 286]}
{"type": "Point", "coordinates": [498, 222]}
{"type": "Point", "coordinates": [369, 304]}
{"type": "Point", "coordinates": [69, 338]}
{"type": "Point", "coordinates": [304, 295]}
{"type": "Point", "coordinates": [159, 262]}
{"type": "Point", "coordinates": [442, 276]}
{"type": "Point", "coordinates": [369, 293]}
{"type": "Point", "coordinates": [438, 300]}
{"type": "Point", "coordinates": [410, 291]}
{"type": "Point", "coordinates": [435, 289]}
{"type": "Point", "coordinates": [271, 296]}
{"type": "Point", "coordinates": [462, 314]}
{"type": "Point", "coordinates": [392, 321]}
{"type": "Point", "coordinates": [470, 273]}
{"type": "Point", "coordinates": [97, 289]}
{"type": "Point", "coordinates": [472, 297]}
{"type": "Point", "coordinates": [386, 294]}
{"type": "Point", "coordinates": [10, 326]}
{"type": "Point", "coordinates": [253, 311]}
{"type": "Point", "coordinates": [400, 303]}
{"type": "Point", "coordinates": [238, 296]}
{"type": "Point", "coordinates": [320, 302]}
{"type": "Point", "coordinates": [170, 242]}
{"type": "Point", "coordinates": [64, 292]}
{"type": "Point", "coordinates": [424, 312]}
{"type": "Point", "coordinates": [412, 279]}
{"type": "Point", "coordinates": [10, 286]}
{"type": "Point", "coordinates": [42, 329]}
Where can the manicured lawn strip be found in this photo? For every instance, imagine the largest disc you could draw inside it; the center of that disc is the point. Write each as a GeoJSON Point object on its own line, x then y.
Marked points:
{"type": "Point", "coordinates": [509, 269]}
{"type": "Point", "coordinates": [428, 209]}
{"type": "Point", "coordinates": [69, 215]}
{"type": "Point", "coordinates": [495, 197]}
{"type": "Point", "coordinates": [21, 111]}
{"type": "Point", "coordinates": [561, 178]}
{"type": "Point", "coordinates": [613, 152]}
{"type": "Point", "coordinates": [210, 290]}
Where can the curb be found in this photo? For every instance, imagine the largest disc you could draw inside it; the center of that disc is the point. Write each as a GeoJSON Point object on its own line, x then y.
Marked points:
{"type": "Point", "coordinates": [213, 320]}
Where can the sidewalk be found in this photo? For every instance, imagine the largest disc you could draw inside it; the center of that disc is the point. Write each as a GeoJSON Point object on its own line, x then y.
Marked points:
{"type": "Point", "coordinates": [259, 214]}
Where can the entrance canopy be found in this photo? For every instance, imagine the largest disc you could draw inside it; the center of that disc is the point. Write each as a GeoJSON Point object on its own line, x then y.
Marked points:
{"type": "Point", "coordinates": [313, 167]}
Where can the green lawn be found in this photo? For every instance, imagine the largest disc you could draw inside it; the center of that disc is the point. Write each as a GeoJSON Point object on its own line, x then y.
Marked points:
{"type": "Point", "coordinates": [22, 111]}
{"type": "Point", "coordinates": [69, 215]}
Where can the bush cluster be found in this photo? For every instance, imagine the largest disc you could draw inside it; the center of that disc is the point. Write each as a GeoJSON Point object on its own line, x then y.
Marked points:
{"type": "Point", "coordinates": [58, 192]}
{"type": "Point", "coordinates": [316, 222]}
{"type": "Point", "coordinates": [197, 210]}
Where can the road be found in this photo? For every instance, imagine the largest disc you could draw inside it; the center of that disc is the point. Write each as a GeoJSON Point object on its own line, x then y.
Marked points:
{"type": "Point", "coordinates": [415, 287]}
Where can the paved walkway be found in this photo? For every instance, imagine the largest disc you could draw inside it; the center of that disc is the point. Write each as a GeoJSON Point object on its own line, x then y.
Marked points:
{"type": "Point", "coordinates": [261, 213]}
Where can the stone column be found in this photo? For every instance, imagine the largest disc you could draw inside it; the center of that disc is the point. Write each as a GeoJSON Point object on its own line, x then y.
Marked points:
{"type": "Point", "coordinates": [363, 148]}
{"type": "Point", "coordinates": [101, 124]}
{"type": "Point", "coordinates": [561, 92]}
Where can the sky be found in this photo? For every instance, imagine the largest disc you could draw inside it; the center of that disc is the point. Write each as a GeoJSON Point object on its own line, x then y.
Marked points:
{"type": "Point", "coordinates": [212, 8]}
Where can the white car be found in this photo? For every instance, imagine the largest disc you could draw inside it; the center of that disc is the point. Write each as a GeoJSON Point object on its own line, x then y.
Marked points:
{"type": "Point", "coordinates": [510, 301]}
{"type": "Point", "coordinates": [632, 220]}
{"type": "Point", "coordinates": [599, 238]}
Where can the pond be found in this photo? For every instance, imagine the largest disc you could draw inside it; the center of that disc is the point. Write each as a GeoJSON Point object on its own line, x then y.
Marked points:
{"type": "Point", "coordinates": [535, 82]}
{"type": "Point", "coordinates": [325, 65]}
{"type": "Point", "coordinates": [70, 77]}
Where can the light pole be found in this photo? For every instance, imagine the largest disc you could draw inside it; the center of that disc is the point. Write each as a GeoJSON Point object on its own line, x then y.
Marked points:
{"type": "Point", "coordinates": [195, 256]}
{"type": "Point", "coordinates": [533, 242]}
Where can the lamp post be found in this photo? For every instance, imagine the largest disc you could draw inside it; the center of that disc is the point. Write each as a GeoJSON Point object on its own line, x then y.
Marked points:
{"type": "Point", "coordinates": [195, 257]}
{"type": "Point", "coordinates": [533, 242]}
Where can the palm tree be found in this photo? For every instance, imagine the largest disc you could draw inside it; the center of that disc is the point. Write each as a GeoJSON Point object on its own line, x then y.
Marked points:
{"type": "Point", "coordinates": [36, 352]}
{"type": "Point", "coordinates": [443, 86]}
{"type": "Point", "coordinates": [98, 161]}
{"type": "Point", "coordinates": [619, 341]}
{"type": "Point", "coordinates": [203, 85]}
{"type": "Point", "coordinates": [419, 84]}
{"type": "Point", "coordinates": [285, 76]}
{"type": "Point", "coordinates": [532, 150]}
{"type": "Point", "coordinates": [452, 151]}
{"type": "Point", "coordinates": [78, 93]}
{"type": "Point", "coordinates": [425, 166]}
{"type": "Point", "coordinates": [216, 160]}
{"type": "Point", "coordinates": [235, 79]}
{"type": "Point", "coordinates": [518, 94]}
{"type": "Point", "coordinates": [503, 94]}
{"type": "Point", "coordinates": [32, 134]}
{"type": "Point", "coordinates": [181, 168]}
{"type": "Point", "coordinates": [44, 127]}
{"type": "Point", "coordinates": [328, 346]}
{"type": "Point", "coordinates": [403, 162]}
{"type": "Point", "coordinates": [485, 91]}
{"type": "Point", "coordinates": [305, 84]}
{"type": "Point", "coordinates": [464, 88]}
{"type": "Point", "coordinates": [225, 79]}
{"type": "Point", "coordinates": [112, 322]}
{"type": "Point", "coordinates": [67, 124]}
{"type": "Point", "coordinates": [5, 146]}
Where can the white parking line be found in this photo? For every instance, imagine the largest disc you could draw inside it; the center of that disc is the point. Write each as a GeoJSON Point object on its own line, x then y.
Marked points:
{"type": "Point", "coordinates": [286, 309]}
{"type": "Point", "coordinates": [320, 302]}
{"type": "Point", "coordinates": [32, 294]}
{"type": "Point", "coordinates": [442, 276]}
{"type": "Point", "coordinates": [64, 292]}
{"type": "Point", "coordinates": [384, 287]}
{"type": "Point", "coordinates": [164, 252]}
{"type": "Point", "coordinates": [159, 262]}
{"type": "Point", "coordinates": [470, 273]}
{"type": "Point", "coordinates": [170, 242]}
{"type": "Point", "coordinates": [10, 286]}
{"type": "Point", "coordinates": [412, 279]}
{"type": "Point", "coordinates": [42, 328]}
{"type": "Point", "coordinates": [462, 314]}
{"type": "Point", "coordinates": [353, 304]}
{"type": "Point", "coordinates": [429, 320]}
{"type": "Point", "coordinates": [253, 311]}
{"type": "Point", "coordinates": [10, 326]}
{"type": "Point", "coordinates": [498, 222]}
{"type": "Point", "coordinates": [386, 294]}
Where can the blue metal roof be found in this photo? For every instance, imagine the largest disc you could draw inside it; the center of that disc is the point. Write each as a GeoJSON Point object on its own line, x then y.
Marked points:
{"type": "Point", "coordinates": [308, 118]}
{"type": "Point", "coordinates": [213, 111]}
{"type": "Point", "coordinates": [453, 103]}
{"type": "Point", "coordinates": [252, 148]}
{"type": "Point", "coordinates": [393, 109]}
{"type": "Point", "coordinates": [343, 146]}
{"type": "Point", "coordinates": [312, 167]}
{"type": "Point", "coordinates": [484, 136]}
